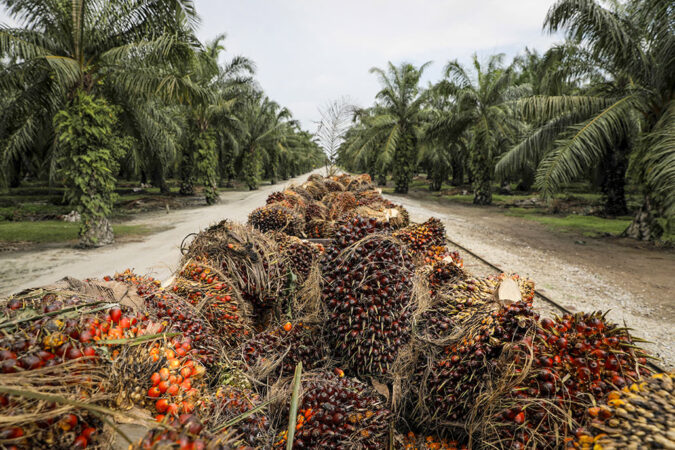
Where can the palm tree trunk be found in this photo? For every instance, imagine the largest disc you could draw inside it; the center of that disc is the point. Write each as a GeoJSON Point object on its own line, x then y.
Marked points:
{"type": "Point", "coordinates": [613, 171]}
{"type": "Point", "coordinates": [644, 226]}
{"type": "Point", "coordinates": [526, 180]}
{"type": "Point", "coordinates": [187, 181]}
{"type": "Point", "coordinates": [457, 174]}
{"type": "Point", "coordinates": [96, 232]}
{"type": "Point", "coordinates": [482, 180]}
{"type": "Point", "coordinates": [382, 179]}
{"type": "Point", "coordinates": [159, 179]}
{"type": "Point", "coordinates": [404, 163]}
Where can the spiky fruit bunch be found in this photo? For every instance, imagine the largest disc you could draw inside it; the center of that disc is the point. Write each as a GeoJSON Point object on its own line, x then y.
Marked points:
{"type": "Point", "coordinates": [183, 432]}
{"type": "Point", "coordinates": [277, 217]}
{"type": "Point", "coordinates": [229, 402]}
{"type": "Point", "coordinates": [179, 316]}
{"type": "Point", "coordinates": [306, 196]}
{"type": "Point", "coordinates": [571, 360]}
{"type": "Point", "coordinates": [451, 379]}
{"type": "Point", "coordinates": [301, 256]}
{"type": "Point", "coordinates": [215, 298]}
{"type": "Point", "coordinates": [426, 241]}
{"type": "Point", "coordinates": [339, 204]}
{"type": "Point", "coordinates": [641, 415]}
{"type": "Point", "coordinates": [444, 272]}
{"type": "Point", "coordinates": [144, 284]}
{"type": "Point", "coordinates": [320, 229]}
{"type": "Point", "coordinates": [369, 197]}
{"type": "Point", "coordinates": [367, 290]}
{"type": "Point", "coordinates": [316, 210]}
{"type": "Point", "coordinates": [315, 188]}
{"type": "Point", "coordinates": [354, 230]}
{"type": "Point", "coordinates": [276, 197]}
{"type": "Point", "coordinates": [339, 412]}
{"type": "Point", "coordinates": [333, 185]}
{"type": "Point", "coordinates": [413, 442]}
{"type": "Point", "coordinates": [285, 346]}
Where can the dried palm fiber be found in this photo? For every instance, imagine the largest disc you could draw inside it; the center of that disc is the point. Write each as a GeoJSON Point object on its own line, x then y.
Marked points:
{"type": "Point", "coordinates": [360, 183]}
{"type": "Point", "coordinates": [277, 217]}
{"type": "Point", "coordinates": [548, 380]}
{"type": "Point", "coordinates": [367, 290]}
{"type": "Point", "coordinates": [320, 228]}
{"type": "Point", "coordinates": [333, 185]}
{"type": "Point", "coordinates": [336, 412]}
{"type": "Point", "coordinates": [315, 188]}
{"type": "Point", "coordinates": [247, 257]}
{"type": "Point", "coordinates": [339, 204]}
{"type": "Point", "coordinates": [381, 213]}
{"type": "Point", "coordinates": [410, 441]}
{"type": "Point", "coordinates": [214, 296]}
{"type": "Point", "coordinates": [316, 177]}
{"type": "Point", "coordinates": [368, 197]}
{"type": "Point", "coordinates": [275, 353]}
{"type": "Point", "coordinates": [306, 196]}
{"type": "Point", "coordinates": [642, 415]}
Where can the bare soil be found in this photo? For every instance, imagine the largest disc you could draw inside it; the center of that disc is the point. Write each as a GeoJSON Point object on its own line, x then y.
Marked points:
{"type": "Point", "coordinates": [635, 281]}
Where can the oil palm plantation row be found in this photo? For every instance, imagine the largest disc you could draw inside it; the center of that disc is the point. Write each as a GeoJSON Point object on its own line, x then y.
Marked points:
{"type": "Point", "coordinates": [598, 106]}
{"type": "Point", "coordinates": [95, 90]}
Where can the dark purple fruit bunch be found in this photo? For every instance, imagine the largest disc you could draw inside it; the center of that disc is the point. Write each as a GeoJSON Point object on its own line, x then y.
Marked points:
{"type": "Point", "coordinates": [367, 290]}
{"type": "Point", "coordinates": [339, 412]}
{"type": "Point", "coordinates": [277, 217]}
{"type": "Point", "coordinates": [356, 229]}
{"type": "Point", "coordinates": [294, 343]}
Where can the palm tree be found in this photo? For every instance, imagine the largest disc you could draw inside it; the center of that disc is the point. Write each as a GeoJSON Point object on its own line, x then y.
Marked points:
{"type": "Point", "coordinates": [396, 127]}
{"type": "Point", "coordinates": [628, 116]}
{"type": "Point", "coordinates": [262, 126]}
{"type": "Point", "coordinates": [482, 107]}
{"type": "Point", "coordinates": [114, 49]}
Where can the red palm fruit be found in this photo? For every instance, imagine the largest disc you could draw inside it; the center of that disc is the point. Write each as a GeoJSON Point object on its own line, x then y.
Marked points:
{"type": "Point", "coordinates": [162, 405]}
{"type": "Point", "coordinates": [115, 314]}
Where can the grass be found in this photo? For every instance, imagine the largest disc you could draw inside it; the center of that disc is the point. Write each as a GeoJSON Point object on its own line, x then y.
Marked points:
{"type": "Point", "coordinates": [588, 225]}
{"type": "Point", "coordinates": [56, 231]}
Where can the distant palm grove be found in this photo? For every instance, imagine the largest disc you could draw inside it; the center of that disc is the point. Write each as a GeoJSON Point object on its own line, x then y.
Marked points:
{"type": "Point", "coordinates": [94, 91]}
{"type": "Point", "coordinates": [97, 91]}
{"type": "Point", "coordinates": [597, 107]}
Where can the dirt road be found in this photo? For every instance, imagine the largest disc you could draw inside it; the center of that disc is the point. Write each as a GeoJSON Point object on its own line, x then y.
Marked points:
{"type": "Point", "coordinates": [637, 284]}
{"type": "Point", "coordinates": [157, 254]}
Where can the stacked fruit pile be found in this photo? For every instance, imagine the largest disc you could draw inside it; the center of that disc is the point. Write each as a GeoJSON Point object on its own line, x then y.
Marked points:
{"type": "Point", "coordinates": [324, 204]}
{"type": "Point", "coordinates": [435, 358]}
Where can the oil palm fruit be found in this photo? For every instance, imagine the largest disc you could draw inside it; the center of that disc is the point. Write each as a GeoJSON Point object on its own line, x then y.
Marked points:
{"type": "Point", "coordinates": [338, 412]}
{"type": "Point", "coordinates": [277, 217]}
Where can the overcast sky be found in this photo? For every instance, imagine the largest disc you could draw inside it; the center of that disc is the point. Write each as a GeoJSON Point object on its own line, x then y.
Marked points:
{"type": "Point", "coordinates": [309, 52]}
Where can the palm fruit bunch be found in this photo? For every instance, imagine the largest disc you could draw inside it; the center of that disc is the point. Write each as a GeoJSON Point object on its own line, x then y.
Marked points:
{"type": "Point", "coordinates": [452, 375]}
{"type": "Point", "coordinates": [426, 241]}
{"type": "Point", "coordinates": [306, 196]}
{"type": "Point", "coordinates": [368, 197]}
{"type": "Point", "coordinates": [301, 256]}
{"type": "Point", "coordinates": [353, 231]}
{"type": "Point", "coordinates": [367, 291]}
{"type": "Point", "coordinates": [444, 272]}
{"type": "Point", "coordinates": [177, 386]}
{"type": "Point", "coordinates": [315, 188]}
{"type": "Point", "coordinates": [639, 416]}
{"type": "Point", "coordinates": [178, 316]}
{"type": "Point", "coordinates": [144, 284]}
{"type": "Point", "coordinates": [413, 442]}
{"type": "Point", "coordinates": [333, 185]}
{"type": "Point", "coordinates": [277, 217]}
{"type": "Point", "coordinates": [315, 211]}
{"type": "Point", "coordinates": [230, 402]}
{"type": "Point", "coordinates": [216, 300]}
{"type": "Point", "coordinates": [338, 412]}
{"type": "Point", "coordinates": [281, 349]}
{"type": "Point", "coordinates": [570, 361]}
{"type": "Point", "coordinates": [183, 432]}
{"type": "Point", "coordinates": [275, 197]}
{"type": "Point", "coordinates": [339, 204]}
{"type": "Point", "coordinates": [249, 258]}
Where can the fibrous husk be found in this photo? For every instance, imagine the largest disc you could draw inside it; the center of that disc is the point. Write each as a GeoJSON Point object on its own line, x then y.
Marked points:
{"type": "Point", "coordinates": [315, 188]}
{"type": "Point", "coordinates": [247, 257]}
{"type": "Point", "coordinates": [339, 204]}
